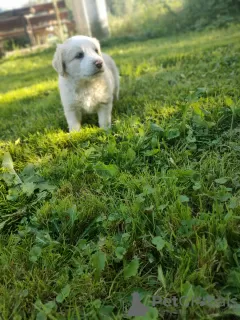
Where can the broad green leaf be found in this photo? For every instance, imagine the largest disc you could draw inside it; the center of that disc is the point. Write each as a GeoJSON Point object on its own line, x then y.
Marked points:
{"type": "Point", "coordinates": [106, 312]}
{"type": "Point", "coordinates": [41, 196]}
{"type": "Point", "coordinates": [28, 188]}
{"type": "Point", "coordinates": [49, 306]}
{"type": "Point", "coordinates": [105, 170]}
{"type": "Point", "coordinates": [221, 244]}
{"type": "Point", "coordinates": [197, 186]}
{"type": "Point", "coordinates": [233, 203]}
{"type": "Point", "coordinates": [46, 186]}
{"type": "Point", "coordinates": [96, 304]}
{"type": "Point", "coordinates": [224, 196]}
{"type": "Point", "coordinates": [172, 134]}
{"type": "Point", "coordinates": [7, 164]}
{"type": "Point", "coordinates": [120, 252]}
{"type": "Point", "coordinates": [63, 294]}
{"type": "Point", "coordinates": [183, 198]}
{"type": "Point", "coordinates": [35, 253]}
{"type": "Point", "coordinates": [13, 193]}
{"type": "Point", "coordinates": [191, 139]}
{"type": "Point", "coordinates": [98, 262]}
{"type": "Point", "coordinates": [163, 206]}
{"type": "Point", "coordinates": [233, 310]}
{"type": "Point", "coordinates": [73, 215]}
{"type": "Point", "coordinates": [200, 91]}
{"type": "Point", "coordinates": [24, 293]}
{"type": "Point", "coordinates": [233, 279]}
{"type": "Point", "coordinates": [159, 243]}
{"type": "Point", "coordinates": [150, 153]}
{"type": "Point", "coordinates": [125, 237]}
{"type": "Point", "coordinates": [82, 244]}
{"type": "Point", "coordinates": [8, 178]}
{"type": "Point", "coordinates": [41, 316]}
{"type": "Point", "coordinates": [156, 128]}
{"type": "Point", "coordinates": [29, 170]}
{"type": "Point", "coordinates": [131, 269]}
{"type": "Point", "coordinates": [38, 304]}
{"type": "Point", "coordinates": [221, 180]}
{"type": "Point", "coordinates": [154, 142]}
{"type": "Point", "coordinates": [229, 102]}
{"type": "Point", "coordinates": [131, 154]}
{"type": "Point", "coordinates": [198, 111]}
{"type": "Point", "coordinates": [89, 151]}
{"type": "Point", "coordinates": [148, 189]}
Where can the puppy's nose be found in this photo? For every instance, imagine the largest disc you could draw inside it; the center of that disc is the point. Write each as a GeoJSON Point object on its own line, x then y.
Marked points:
{"type": "Point", "coordinates": [99, 64]}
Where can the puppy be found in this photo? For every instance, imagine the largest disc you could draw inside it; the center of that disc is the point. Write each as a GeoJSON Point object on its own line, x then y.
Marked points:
{"type": "Point", "coordinates": [88, 80]}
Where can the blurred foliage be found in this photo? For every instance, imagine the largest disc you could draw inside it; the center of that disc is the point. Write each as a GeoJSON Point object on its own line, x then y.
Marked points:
{"type": "Point", "coordinates": [15, 43]}
{"type": "Point", "coordinates": [119, 8]}
{"type": "Point", "coordinates": [153, 18]}
{"type": "Point", "coordinates": [201, 13]}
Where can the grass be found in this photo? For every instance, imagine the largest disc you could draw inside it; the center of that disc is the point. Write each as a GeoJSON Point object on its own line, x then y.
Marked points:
{"type": "Point", "coordinates": [152, 206]}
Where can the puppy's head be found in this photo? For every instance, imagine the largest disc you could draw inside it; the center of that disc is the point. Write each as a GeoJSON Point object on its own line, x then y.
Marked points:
{"type": "Point", "coordinates": [79, 57]}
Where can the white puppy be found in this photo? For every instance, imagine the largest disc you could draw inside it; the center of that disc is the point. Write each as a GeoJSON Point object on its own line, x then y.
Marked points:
{"type": "Point", "coordinates": [88, 80]}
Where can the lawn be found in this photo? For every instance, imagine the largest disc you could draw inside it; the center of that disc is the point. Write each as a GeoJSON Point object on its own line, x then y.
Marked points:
{"type": "Point", "coordinates": [153, 206]}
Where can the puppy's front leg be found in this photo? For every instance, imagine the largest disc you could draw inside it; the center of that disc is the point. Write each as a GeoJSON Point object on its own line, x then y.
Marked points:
{"type": "Point", "coordinates": [105, 115]}
{"type": "Point", "coordinates": [73, 120]}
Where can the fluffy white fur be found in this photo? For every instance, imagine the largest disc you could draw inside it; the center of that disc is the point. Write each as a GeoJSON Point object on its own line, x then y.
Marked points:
{"type": "Point", "coordinates": [88, 80]}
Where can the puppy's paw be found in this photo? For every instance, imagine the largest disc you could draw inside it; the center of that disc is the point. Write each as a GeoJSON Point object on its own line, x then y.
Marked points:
{"type": "Point", "coordinates": [75, 128]}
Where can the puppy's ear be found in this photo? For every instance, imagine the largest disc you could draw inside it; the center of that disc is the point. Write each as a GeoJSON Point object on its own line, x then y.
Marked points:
{"type": "Point", "coordinates": [57, 62]}
{"type": "Point", "coordinates": [97, 43]}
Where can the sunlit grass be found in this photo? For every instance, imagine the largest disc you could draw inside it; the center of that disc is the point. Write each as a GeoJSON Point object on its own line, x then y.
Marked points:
{"type": "Point", "coordinates": [161, 187]}
{"type": "Point", "coordinates": [27, 92]}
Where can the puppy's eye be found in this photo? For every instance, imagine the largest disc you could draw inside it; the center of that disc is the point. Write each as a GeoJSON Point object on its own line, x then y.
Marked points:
{"type": "Point", "coordinates": [96, 50]}
{"type": "Point", "coordinates": [79, 55]}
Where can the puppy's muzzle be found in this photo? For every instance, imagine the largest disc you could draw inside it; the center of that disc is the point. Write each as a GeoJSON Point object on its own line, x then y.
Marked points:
{"type": "Point", "coordinates": [99, 64]}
